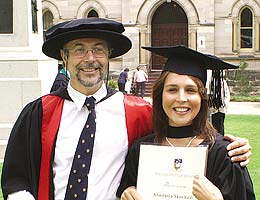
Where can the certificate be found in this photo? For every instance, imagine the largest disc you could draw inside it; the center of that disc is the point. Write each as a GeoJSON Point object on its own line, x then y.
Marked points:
{"type": "Point", "coordinates": [166, 173]}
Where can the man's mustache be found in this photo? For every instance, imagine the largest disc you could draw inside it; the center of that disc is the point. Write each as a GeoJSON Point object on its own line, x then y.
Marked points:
{"type": "Point", "coordinates": [89, 65]}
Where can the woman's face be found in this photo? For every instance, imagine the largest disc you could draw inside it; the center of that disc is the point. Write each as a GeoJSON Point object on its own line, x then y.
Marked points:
{"type": "Point", "coordinates": [181, 99]}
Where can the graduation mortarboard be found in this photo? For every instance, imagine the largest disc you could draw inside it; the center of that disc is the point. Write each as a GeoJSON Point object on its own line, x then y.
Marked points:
{"type": "Point", "coordinates": [186, 61]}
{"type": "Point", "coordinates": [183, 60]}
{"type": "Point", "coordinates": [108, 30]}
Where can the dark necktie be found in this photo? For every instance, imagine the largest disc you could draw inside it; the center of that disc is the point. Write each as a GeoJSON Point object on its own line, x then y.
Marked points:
{"type": "Point", "coordinates": [78, 180]}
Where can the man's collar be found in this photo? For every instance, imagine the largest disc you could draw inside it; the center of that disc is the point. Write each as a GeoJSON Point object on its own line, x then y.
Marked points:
{"type": "Point", "coordinates": [79, 98]}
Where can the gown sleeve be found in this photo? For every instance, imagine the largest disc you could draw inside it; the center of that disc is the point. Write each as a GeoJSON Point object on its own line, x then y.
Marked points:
{"type": "Point", "coordinates": [22, 157]}
{"type": "Point", "coordinates": [233, 180]}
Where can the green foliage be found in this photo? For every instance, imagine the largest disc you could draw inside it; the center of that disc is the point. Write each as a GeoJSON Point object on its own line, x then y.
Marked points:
{"type": "Point", "coordinates": [112, 83]}
{"type": "Point", "coordinates": [242, 79]}
{"type": "Point", "coordinates": [248, 126]}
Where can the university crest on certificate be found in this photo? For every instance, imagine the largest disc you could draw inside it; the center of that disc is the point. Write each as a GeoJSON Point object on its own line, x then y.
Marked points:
{"type": "Point", "coordinates": [166, 173]}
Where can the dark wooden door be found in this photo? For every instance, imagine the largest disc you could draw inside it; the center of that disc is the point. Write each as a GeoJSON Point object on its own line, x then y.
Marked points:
{"type": "Point", "coordinates": [169, 27]}
{"type": "Point", "coordinates": [167, 35]}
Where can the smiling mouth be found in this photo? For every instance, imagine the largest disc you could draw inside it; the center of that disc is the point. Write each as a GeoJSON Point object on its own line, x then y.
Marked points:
{"type": "Point", "coordinates": [179, 109]}
{"type": "Point", "coordinates": [88, 69]}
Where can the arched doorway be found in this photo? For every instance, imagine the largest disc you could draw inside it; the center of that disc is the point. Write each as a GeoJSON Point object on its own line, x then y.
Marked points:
{"type": "Point", "coordinates": [169, 27]}
{"type": "Point", "coordinates": [91, 13]}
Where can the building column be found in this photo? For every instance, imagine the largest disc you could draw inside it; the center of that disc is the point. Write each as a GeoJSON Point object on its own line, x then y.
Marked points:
{"type": "Point", "coordinates": [256, 34]}
{"type": "Point", "coordinates": [235, 29]}
{"type": "Point", "coordinates": [192, 38]}
{"type": "Point", "coordinates": [143, 42]}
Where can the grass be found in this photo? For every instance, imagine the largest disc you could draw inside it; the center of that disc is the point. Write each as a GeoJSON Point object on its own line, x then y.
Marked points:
{"type": "Point", "coordinates": [247, 126]}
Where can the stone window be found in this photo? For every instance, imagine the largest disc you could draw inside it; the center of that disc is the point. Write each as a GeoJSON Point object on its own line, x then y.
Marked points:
{"type": "Point", "coordinates": [47, 20]}
{"type": "Point", "coordinates": [246, 28]}
{"type": "Point", "coordinates": [245, 31]}
{"type": "Point", "coordinates": [34, 16]}
{"type": "Point", "coordinates": [6, 16]}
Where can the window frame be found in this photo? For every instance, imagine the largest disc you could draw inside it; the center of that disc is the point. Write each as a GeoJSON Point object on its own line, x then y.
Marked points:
{"type": "Point", "coordinates": [248, 49]}
{"type": "Point", "coordinates": [43, 19]}
{"type": "Point", "coordinates": [9, 7]}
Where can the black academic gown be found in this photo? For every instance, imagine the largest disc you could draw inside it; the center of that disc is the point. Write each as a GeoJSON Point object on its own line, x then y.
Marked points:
{"type": "Point", "coordinates": [22, 158]}
{"type": "Point", "coordinates": [233, 181]}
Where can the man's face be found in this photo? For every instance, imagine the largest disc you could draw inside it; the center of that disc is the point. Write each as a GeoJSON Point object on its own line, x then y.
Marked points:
{"type": "Point", "coordinates": [87, 63]}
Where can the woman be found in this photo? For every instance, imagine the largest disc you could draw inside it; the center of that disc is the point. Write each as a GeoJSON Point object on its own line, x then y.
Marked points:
{"type": "Point", "coordinates": [180, 119]}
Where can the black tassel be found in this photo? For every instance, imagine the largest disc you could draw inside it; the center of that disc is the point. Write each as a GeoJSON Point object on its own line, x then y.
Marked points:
{"type": "Point", "coordinates": [216, 94]}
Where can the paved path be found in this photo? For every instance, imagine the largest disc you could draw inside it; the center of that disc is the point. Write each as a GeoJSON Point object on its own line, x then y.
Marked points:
{"type": "Point", "coordinates": [245, 108]}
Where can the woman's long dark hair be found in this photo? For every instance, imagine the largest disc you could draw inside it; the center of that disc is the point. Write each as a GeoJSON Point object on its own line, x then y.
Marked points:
{"type": "Point", "coordinates": [201, 125]}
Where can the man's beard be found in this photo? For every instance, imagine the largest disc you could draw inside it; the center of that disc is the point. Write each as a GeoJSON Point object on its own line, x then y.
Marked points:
{"type": "Point", "coordinates": [87, 83]}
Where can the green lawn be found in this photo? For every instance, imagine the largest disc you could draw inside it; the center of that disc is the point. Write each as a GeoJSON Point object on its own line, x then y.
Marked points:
{"type": "Point", "coordinates": [247, 126]}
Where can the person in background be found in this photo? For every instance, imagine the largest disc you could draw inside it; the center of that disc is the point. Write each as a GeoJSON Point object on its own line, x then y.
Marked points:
{"type": "Point", "coordinates": [61, 79]}
{"type": "Point", "coordinates": [140, 77]}
{"type": "Point", "coordinates": [86, 123]}
{"type": "Point", "coordinates": [219, 98]}
{"type": "Point", "coordinates": [122, 79]}
{"type": "Point", "coordinates": [180, 119]}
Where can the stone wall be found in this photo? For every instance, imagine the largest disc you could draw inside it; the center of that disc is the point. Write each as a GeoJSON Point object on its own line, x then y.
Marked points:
{"type": "Point", "coordinates": [244, 82]}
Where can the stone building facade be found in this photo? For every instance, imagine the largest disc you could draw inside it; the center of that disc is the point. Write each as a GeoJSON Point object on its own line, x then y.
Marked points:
{"type": "Point", "coordinates": [26, 73]}
{"type": "Point", "coordinates": [226, 28]}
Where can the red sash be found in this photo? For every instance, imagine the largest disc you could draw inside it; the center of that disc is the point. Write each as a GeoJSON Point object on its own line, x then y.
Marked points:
{"type": "Point", "coordinates": [51, 115]}
{"type": "Point", "coordinates": [138, 115]}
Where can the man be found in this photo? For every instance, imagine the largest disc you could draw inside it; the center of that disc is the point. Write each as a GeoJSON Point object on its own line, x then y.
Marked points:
{"type": "Point", "coordinates": [45, 140]}
{"type": "Point", "coordinates": [122, 79]}
{"type": "Point", "coordinates": [140, 78]}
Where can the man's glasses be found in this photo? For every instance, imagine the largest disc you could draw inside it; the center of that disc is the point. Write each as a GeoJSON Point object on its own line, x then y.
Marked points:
{"type": "Point", "coordinates": [81, 52]}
